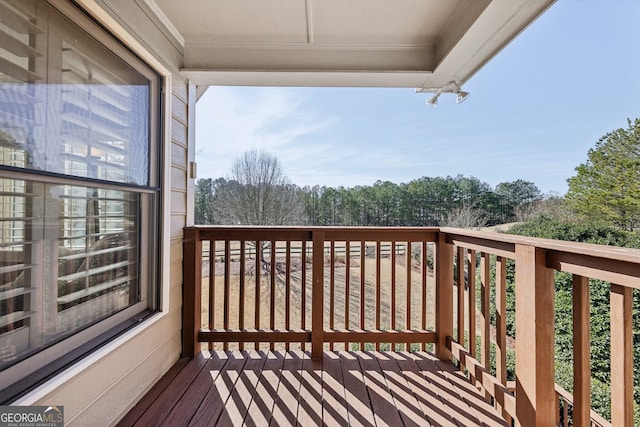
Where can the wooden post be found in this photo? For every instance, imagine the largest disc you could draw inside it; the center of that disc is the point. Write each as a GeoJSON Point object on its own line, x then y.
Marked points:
{"type": "Point", "coordinates": [535, 382]}
{"type": "Point", "coordinates": [444, 296]}
{"type": "Point", "coordinates": [621, 356]}
{"type": "Point", "coordinates": [317, 296]}
{"type": "Point", "coordinates": [581, 352]}
{"type": "Point", "coordinates": [191, 291]}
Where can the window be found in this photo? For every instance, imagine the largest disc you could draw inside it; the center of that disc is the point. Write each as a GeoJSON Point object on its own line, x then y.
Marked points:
{"type": "Point", "coordinates": [78, 187]}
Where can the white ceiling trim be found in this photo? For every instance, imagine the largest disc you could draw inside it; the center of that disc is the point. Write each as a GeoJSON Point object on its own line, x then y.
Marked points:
{"type": "Point", "coordinates": [304, 60]}
{"type": "Point", "coordinates": [356, 78]}
{"type": "Point", "coordinates": [311, 46]}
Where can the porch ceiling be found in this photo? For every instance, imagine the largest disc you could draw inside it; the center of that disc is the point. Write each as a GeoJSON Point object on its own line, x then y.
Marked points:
{"type": "Point", "coordinates": [388, 43]}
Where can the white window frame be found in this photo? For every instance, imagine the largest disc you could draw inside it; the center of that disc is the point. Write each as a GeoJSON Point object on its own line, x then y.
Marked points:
{"type": "Point", "coordinates": [159, 132]}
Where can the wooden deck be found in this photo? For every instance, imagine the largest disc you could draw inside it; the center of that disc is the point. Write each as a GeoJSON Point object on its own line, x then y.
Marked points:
{"type": "Point", "coordinates": [288, 388]}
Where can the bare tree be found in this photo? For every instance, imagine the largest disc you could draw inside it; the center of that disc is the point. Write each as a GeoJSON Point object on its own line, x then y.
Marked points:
{"type": "Point", "coordinates": [257, 192]}
{"type": "Point", "coordinates": [551, 207]}
{"type": "Point", "coordinates": [466, 216]}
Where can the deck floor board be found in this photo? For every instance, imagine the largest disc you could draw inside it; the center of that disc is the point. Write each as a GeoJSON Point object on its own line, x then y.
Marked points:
{"type": "Point", "coordinates": [426, 394]}
{"type": "Point", "coordinates": [409, 408]}
{"type": "Point", "coordinates": [261, 407]}
{"type": "Point", "coordinates": [288, 388]}
{"type": "Point", "coordinates": [311, 394]}
{"type": "Point", "coordinates": [222, 383]}
{"type": "Point", "coordinates": [238, 403]}
{"type": "Point", "coordinates": [334, 403]}
{"type": "Point", "coordinates": [173, 392]}
{"type": "Point", "coordinates": [197, 391]}
{"type": "Point", "coordinates": [285, 408]}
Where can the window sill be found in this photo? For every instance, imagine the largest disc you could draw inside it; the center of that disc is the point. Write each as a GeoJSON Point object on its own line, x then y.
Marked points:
{"type": "Point", "coordinates": [56, 381]}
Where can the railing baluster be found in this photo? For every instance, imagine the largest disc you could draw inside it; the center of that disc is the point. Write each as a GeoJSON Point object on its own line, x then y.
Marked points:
{"type": "Point", "coordinates": [581, 351]}
{"type": "Point", "coordinates": [287, 290]}
{"type": "Point", "coordinates": [501, 320]}
{"type": "Point", "coordinates": [303, 292]}
{"type": "Point", "coordinates": [501, 324]}
{"type": "Point", "coordinates": [393, 305]}
{"type": "Point", "coordinates": [332, 286]}
{"type": "Point", "coordinates": [621, 355]}
{"type": "Point", "coordinates": [241, 290]}
{"type": "Point", "coordinates": [317, 291]}
{"type": "Point", "coordinates": [378, 286]}
{"type": "Point", "coordinates": [226, 290]}
{"type": "Point", "coordinates": [347, 291]}
{"type": "Point", "coordinates": [424, 267]}
{"type": "Point", "coordinates": [460, 257]}
{"type": "Point", "coordinates": [472, 303]}
{"type": "Point", "coordinates": [408, 288]}
{"type": "Point", "coordinates": [212, 287]}
{"type": "Point", "coordinates": [272, 292]}
{"type": "Point", "coordinates": [485, 316]}
{"type": "Point", "coordinates": [257, 299]}
{"type": "Point", "coordinates": [362, 285]}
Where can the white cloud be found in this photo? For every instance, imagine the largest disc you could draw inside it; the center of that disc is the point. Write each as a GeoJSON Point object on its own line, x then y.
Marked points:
{"type": "Point", "coordinates": [231, 121]}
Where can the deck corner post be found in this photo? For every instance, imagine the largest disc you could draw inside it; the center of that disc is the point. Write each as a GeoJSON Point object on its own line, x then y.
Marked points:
{"type": "Point", "coordinates": [317, 295]}
{"type": "Point", "coordinates": [444, 295]}
{"type": "Point", "coordinates": [191, 291]}
{"type": "Point", "coordinates": [535, 375]}
{"type": "Point", "coordinates": [621, 315]}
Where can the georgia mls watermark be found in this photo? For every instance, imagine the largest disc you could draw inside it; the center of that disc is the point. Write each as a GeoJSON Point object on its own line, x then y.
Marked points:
{"type": "Point", "coordinates": [31, 416]}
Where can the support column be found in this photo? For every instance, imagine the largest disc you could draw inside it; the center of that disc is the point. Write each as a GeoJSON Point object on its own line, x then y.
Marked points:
{"type": "Point", "coordinates": [444, 296]}
{"type": "Point", "coordinates": [191, 291]}
{"type": "Point", "coordinates": [535, 382]}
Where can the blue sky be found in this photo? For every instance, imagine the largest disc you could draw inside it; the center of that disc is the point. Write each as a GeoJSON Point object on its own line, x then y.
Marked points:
{"type": "Point", "coordinates": [534, 112]}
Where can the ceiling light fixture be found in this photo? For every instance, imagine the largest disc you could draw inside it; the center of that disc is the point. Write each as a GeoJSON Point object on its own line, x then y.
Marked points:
{"type": "Point", "coordinates": [451, 87]}
{"type": "Point", "coordinates": [433, 101]}
{"type": "Point", "coordinates": [461, 95]}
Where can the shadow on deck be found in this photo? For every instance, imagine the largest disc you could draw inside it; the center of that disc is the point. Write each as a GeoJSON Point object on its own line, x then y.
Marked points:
{"type": "Point", "coordinates": [288, 388]}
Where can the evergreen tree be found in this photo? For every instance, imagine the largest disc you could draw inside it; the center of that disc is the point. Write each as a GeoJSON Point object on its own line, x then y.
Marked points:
{"type": "Point", "coordinates": [607, 186]}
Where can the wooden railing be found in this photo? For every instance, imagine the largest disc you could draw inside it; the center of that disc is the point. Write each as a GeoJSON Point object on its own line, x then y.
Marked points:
{"type": "Point", "coordinates": [330, 286]}
{"type": "Point", "coordinates": [410, 289]}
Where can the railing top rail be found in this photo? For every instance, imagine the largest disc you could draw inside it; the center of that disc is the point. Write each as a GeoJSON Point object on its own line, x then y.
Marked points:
{"type": "Point", "coordinates": [282, 233]}
{"type": "Point", "coordinates": [600, 251]}
{"type": "Point", "coordinates": [385, 233]}
{"type": "Point", "coordinates": [312, 228]}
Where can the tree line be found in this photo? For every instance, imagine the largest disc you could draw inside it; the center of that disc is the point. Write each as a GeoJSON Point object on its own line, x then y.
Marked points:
{"type": "Point", "coordinates": [457, 201]}
{"type": "Point", "coordinates": [257, 192]}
